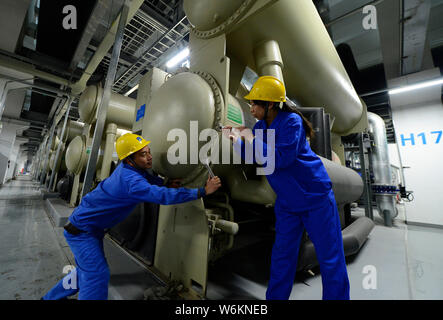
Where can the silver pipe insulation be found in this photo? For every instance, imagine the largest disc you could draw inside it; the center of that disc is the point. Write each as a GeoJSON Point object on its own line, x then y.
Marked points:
{"type": "Point", "coordinates": [381, 167]}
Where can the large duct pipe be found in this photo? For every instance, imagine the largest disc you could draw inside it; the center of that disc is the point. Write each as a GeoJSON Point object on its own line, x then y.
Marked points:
{"type": "Point", "coordinates": [381, 168]}
{"type": "Point", "coordinates": [346, 183]}
{"type": "Point", "coordinates": [72, 130]}
{"type": "Point", "coordinates": [313, 72]}
{"type": "Point", "coordinates": [120, 110]}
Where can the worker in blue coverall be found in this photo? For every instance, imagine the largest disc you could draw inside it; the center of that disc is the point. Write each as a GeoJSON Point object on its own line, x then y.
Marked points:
{"type": "Point", "coordinates": [304, 191]}
{"type": "Point", "coordinates": [107, 205]}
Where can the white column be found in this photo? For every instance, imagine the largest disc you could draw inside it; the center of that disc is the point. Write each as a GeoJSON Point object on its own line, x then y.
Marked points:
{"type": "Point", "coordinates": [7, 141]}
{"type": "Point", "coordinates": [13, 157]}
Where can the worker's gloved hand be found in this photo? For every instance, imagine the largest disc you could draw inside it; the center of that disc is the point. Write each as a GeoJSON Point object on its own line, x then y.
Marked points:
{"type": "Point", "coordinates": [212, 185]}
{"type": "Point", "coordinates": [174, 183]}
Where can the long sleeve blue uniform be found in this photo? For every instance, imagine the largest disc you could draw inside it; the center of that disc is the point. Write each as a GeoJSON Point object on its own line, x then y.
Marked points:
{"type": "Point", "coordinates": [304, 200]}
{"type": "Point", "coordinates": [104, 207]}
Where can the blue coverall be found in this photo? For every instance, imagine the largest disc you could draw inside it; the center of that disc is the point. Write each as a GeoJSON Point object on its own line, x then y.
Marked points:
{"type": "Point", "coordinates": [304, 200]}
{"type": "Point", "coordinates": [104, 207]}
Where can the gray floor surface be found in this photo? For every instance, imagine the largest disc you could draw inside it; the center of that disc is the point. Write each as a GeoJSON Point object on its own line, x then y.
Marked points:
{"type": "Point", "coordinates": [406, 261]}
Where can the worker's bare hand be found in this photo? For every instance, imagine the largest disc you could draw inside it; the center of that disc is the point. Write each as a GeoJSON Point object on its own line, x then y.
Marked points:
{"type": "Point", "coordinates": [246, 134]}
{"type": "Point", "coordinates": [226, 131]}
{"type": "Point", "coordinates": [212, 185]}
{"type": "Point", "coordinates": [234, 133]}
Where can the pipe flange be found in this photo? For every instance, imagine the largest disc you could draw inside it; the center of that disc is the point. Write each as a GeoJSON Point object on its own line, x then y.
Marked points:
{"type": "Point", "coordinates": [379, 189]}
{"type": "Point", "coordinates": [227, 24]}
{"type": "Point", "coordinates": [218, 97]}
{"type": "Point", "coordinates": [200, 170]}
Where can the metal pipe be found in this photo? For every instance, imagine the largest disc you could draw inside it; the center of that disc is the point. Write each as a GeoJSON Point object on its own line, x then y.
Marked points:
{"type": "Point", "coordinates": [29, 69]}
{"type": "Point", "coordinates": [48, 148]}
{"type": "Point", "coordinates": [230, 210]}
{"type": "Point", "coordinates": [305, 46]}
{"type": "Point", "coordinates": [268, 59]}
{"type": "Point", "coordinates": [39, 86]}
{"type": "Point", "coordinates": [16, 119]}
{"type": "Point", "coordinates": [381, 167]}
{"type": "Point", "coordinates": [346, 183]}
{"type": "Point", "coordinates": [57, 155]}
{"type": "Point", "coordinates": [101, 114]}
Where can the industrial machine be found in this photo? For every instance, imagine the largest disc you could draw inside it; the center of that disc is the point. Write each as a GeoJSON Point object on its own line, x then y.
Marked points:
{"type": "Point", "coordinates": [118, 120]}
{"type": "Point", "coordinates": [46, 170]}
{"type": "Point", "coordinates": [367, 153]}
{"type": "Point", "coordinates": [73, 129]}
{"type": "Point", "coordinates": [285, 39]}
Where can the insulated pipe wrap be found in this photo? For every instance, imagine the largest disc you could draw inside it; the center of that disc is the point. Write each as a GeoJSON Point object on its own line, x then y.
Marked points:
{"type": "Point", "coordinates": [346, 183]}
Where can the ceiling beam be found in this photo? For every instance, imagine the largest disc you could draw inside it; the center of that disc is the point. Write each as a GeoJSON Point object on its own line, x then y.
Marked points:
{"type": "Point", "coordinates": [98, 13]}
{"type": "Point", "coordinates": [389, 27]}
{"type": "Point", "coordinates": [415, 26]}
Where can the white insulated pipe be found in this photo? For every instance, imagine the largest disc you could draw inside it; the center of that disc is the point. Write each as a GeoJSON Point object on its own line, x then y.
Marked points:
{"type": "Point", "coordinates": [381, 166]}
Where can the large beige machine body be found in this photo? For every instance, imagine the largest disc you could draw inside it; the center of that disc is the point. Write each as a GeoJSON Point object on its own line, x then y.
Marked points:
{"type": "Point", "coordinates": [51, 155]}
{"type": "Point", "coordinates": [305, 49]}
{"type": "Point", "coordinates": [119, 119]}
{"type": "Point", "coordinates": [284, 38]}
{"type": "Point", "coordinates": [73, 129]}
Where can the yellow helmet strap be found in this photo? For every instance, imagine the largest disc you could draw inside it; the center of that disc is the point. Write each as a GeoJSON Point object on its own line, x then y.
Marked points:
{"type": "Point", "coordinates": [266, 111]}
{"type": "Point", "coordinates": [131, 160]}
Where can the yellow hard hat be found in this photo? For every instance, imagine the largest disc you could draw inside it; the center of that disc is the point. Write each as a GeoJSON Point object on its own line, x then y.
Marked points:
{"type": "Point", "coordinates": [129, 143]}
{"type": "Point", "coordinates": [267, 88]}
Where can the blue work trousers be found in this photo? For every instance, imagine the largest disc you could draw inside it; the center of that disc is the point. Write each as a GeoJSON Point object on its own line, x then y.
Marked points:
{"type": "Point", "coordinates": [324, 230]}
{"type": "Point", "coordinates": [91, 276]}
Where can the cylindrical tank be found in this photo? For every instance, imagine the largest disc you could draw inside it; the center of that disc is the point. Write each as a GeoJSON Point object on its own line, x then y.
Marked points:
{"type": "Point", "coordinates": [55, 142]}
{"type": "Point", "coordinates": [60, 162]}
{"type": "Point", "coordinates": [305, 46]}
{"type": "Point", "coordinates": [77, 155]}
{"type": "Point", "coordinates": [183, 98]}
{"type": "Point", "coordinates": [42, 163]}
{"type": "Point", "coordinates": [179, 112]}
{"type": "Point", "coordinates": [120, 110]}
{"type": "Point", "coordinates": [72, 130]}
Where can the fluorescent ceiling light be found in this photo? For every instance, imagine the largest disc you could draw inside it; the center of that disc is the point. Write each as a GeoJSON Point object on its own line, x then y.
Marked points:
{"type": "Point", "coordinates": [182, 55]}
{"type": "Point", "coordinates": [131, 91]}
{"type": "Point", "coordinates": [421, 85]}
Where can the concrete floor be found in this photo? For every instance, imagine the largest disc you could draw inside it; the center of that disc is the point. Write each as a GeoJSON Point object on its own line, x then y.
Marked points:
{"type": "Point", "coordinates": [31, 258]}
{"type": "Point", "coordinates": [408, 259]}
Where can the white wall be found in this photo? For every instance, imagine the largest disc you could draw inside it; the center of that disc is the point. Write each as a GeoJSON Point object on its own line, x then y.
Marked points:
{"type": "Point", "coordinates": [424, 121]}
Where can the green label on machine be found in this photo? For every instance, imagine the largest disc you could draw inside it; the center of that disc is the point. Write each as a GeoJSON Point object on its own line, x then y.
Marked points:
{"type": "Point", "coordinates": [235, 114]}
